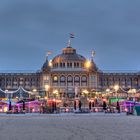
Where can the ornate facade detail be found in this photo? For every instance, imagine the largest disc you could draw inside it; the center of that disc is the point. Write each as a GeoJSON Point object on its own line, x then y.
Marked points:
{"type": "Point", "coordinates": [68, 72]}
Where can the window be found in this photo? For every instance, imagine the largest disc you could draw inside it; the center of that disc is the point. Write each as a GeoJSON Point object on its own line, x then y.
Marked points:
{"type": "Point", "coordinates": [77, 65]}
{"type": "Point", "coordinates": [70, 64]}
{"type": "Point", "coordinates": [84, 78]}
{"type": "Point", "coordinates": [62, 79]}
{"type": "Point", "coordinates": [55, 78]}
{"type": "Point", "coordinates": [70, 79]}
{"type": "Point", "coordinates": [77, 79]}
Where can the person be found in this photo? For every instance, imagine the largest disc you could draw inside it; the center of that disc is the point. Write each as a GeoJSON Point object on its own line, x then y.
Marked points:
{"type": "Point", "coordinates": [74, 104]}
{"type": "Point", "coordinates": [89, 105]}
{"type": "Point", "coordinates": [80, 104]}
{"type": "Point", "coordinates": [118, 107]}
{"type": "Point", "coordinates": [104, 105]}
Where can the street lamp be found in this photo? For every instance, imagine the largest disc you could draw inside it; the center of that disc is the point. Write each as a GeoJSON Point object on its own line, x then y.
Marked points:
{"type": "Point", "coordinates": [85, 95]}
{"type": "Point", "coordinates": [35, 92]}
{"type": "Point", "coordinates": [9, 96]}
{"type": "Point", "coordinates": [47, 87]}
{"type": "Point", "coordinates": [55, 93]}
{"type": "Point", "coordinates": [116, 88]}
{"type": "Point", "coordinates": [132, 91]}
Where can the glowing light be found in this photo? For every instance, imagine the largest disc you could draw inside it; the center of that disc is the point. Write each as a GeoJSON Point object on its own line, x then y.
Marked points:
{"type": "Point", "coordinates": [55, 91]}
{"type": "Point", "coordinates": [116, 87]}
{"type": "Point", "coordinates": [96, 110]}
{"type": "Point", "coordinates": [67, 110]}
{"type": "Point", "coordinates": [85, 91]}
{"type": "Point", "coordinates": [108, 90]}
{"type": "Point", "coordinates": [47, 87]}
{"type": "Point", "coordinates": [5, 109]}
{"type": "Point", "coordinates": [125, 109]}
{"type": "Point", "coordinates": [87, 64]}
{"type": "Point", "coordinates": [50, 63]}
{"type": "Point", "coordinates": [34, 90]}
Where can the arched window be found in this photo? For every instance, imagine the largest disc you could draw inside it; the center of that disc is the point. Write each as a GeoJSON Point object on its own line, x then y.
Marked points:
{"type": "Point", "coordinates": [70, 80]}
{"type": "Point", "coordinates": [77, 78]}
{"type": "Point", "coordinates": [62, 78]}
{"type": "Point", "coordinates": [84, 80]}
{"type": "Point", "coordinates": [55, 79]}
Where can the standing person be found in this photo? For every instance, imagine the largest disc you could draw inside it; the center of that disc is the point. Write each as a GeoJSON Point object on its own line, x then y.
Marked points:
{"type": "Point", "coordinates": [89, 105]}
{"type": "Point", "coordinates": [80, 104]}
{"type": "Point", "coordinates": [104, 105]}
{"type": "Point", "coordinates": [118, 107]}
{"type": "Point", "coordinates": [74, 104]}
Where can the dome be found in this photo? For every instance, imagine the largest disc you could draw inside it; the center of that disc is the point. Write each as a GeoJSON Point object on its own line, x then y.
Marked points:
{"type": "Point", "coordinates": [68, 54]}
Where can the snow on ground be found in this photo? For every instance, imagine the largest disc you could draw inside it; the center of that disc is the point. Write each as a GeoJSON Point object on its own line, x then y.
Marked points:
{"type": "Point", "coordinates": [96, 126]}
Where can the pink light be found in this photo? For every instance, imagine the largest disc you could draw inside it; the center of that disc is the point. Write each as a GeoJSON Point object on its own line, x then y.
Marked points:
{"type": "Point", "coordinates": [67, 110]}
{"type": "Point", "coordinates": [0, 110]}
{"type": "Point", "coordinates": [125, 109]}
{"type": "Point", "coordinates": [96, 110]}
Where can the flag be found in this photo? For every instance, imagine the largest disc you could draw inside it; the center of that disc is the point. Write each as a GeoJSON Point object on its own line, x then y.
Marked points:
{"type": "Point", "coordinates": [71, 35]}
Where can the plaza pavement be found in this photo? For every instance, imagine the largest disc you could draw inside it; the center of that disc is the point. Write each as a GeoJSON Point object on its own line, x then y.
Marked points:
{"type": "Point", "coordinates": [69, 126]}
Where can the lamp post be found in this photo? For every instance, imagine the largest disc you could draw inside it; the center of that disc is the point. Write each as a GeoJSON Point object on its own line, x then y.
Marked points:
{"type": "Point", "coordinates": [55, 93]}
{"type": "Point", "coordinates": [132, 91]}
{"type": "Point", "coordinates": [35, 92]}
{"type": "Point", "coordinates": [85, 94]}
{"type": "Point", "coordinates": [47, 87]}
{"type": "Point", "coordinates": [116, 88]}
{"type": "Point", "coordinates": [9, 96]}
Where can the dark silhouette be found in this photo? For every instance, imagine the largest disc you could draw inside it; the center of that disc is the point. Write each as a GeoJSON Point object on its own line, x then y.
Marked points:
{"type": "Point", "coordinates": [93, 104]}
{"type": "Point", "coordinates": [10, 106]}
{"type": "Point", "coordinates": [118, 107]}
{"type": "Point", "coordinates": [104, 105]}
{"type": "Point", "coordinates": [80, 104]}
{"type": "Point", "coordinates": [90, 105]}
{"type": "Point", "coordinates": [74, 104]}
{"type": "Point", "coordinates": [23, 105]}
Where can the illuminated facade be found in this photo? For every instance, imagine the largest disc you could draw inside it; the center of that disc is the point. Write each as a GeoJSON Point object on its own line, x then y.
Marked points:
{"type": "Point", "coordinates": [68, 74]}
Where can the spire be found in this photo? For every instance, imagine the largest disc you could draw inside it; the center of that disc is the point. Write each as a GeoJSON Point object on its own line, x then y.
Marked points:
{"type": "Point", "coordinates": [93, 65]}
{"type": "Point", "coordinates": [47, 54]}
{"type": "Point", "coordinates": [69, 43]}
{"type": "Point", "coordinates": [71, 35]}
{"type": "Point", "coordinates": [92, 54]}
{"type": "Point", "coordinates": [46, 64]}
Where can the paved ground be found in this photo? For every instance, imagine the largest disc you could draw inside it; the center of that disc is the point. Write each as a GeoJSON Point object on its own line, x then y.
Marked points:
{"type": "Point", "coordinates": [69, 127]}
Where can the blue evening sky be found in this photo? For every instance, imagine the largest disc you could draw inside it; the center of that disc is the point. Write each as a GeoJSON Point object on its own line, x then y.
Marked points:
{"type": "Point", "coordinates": [28, 28]}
